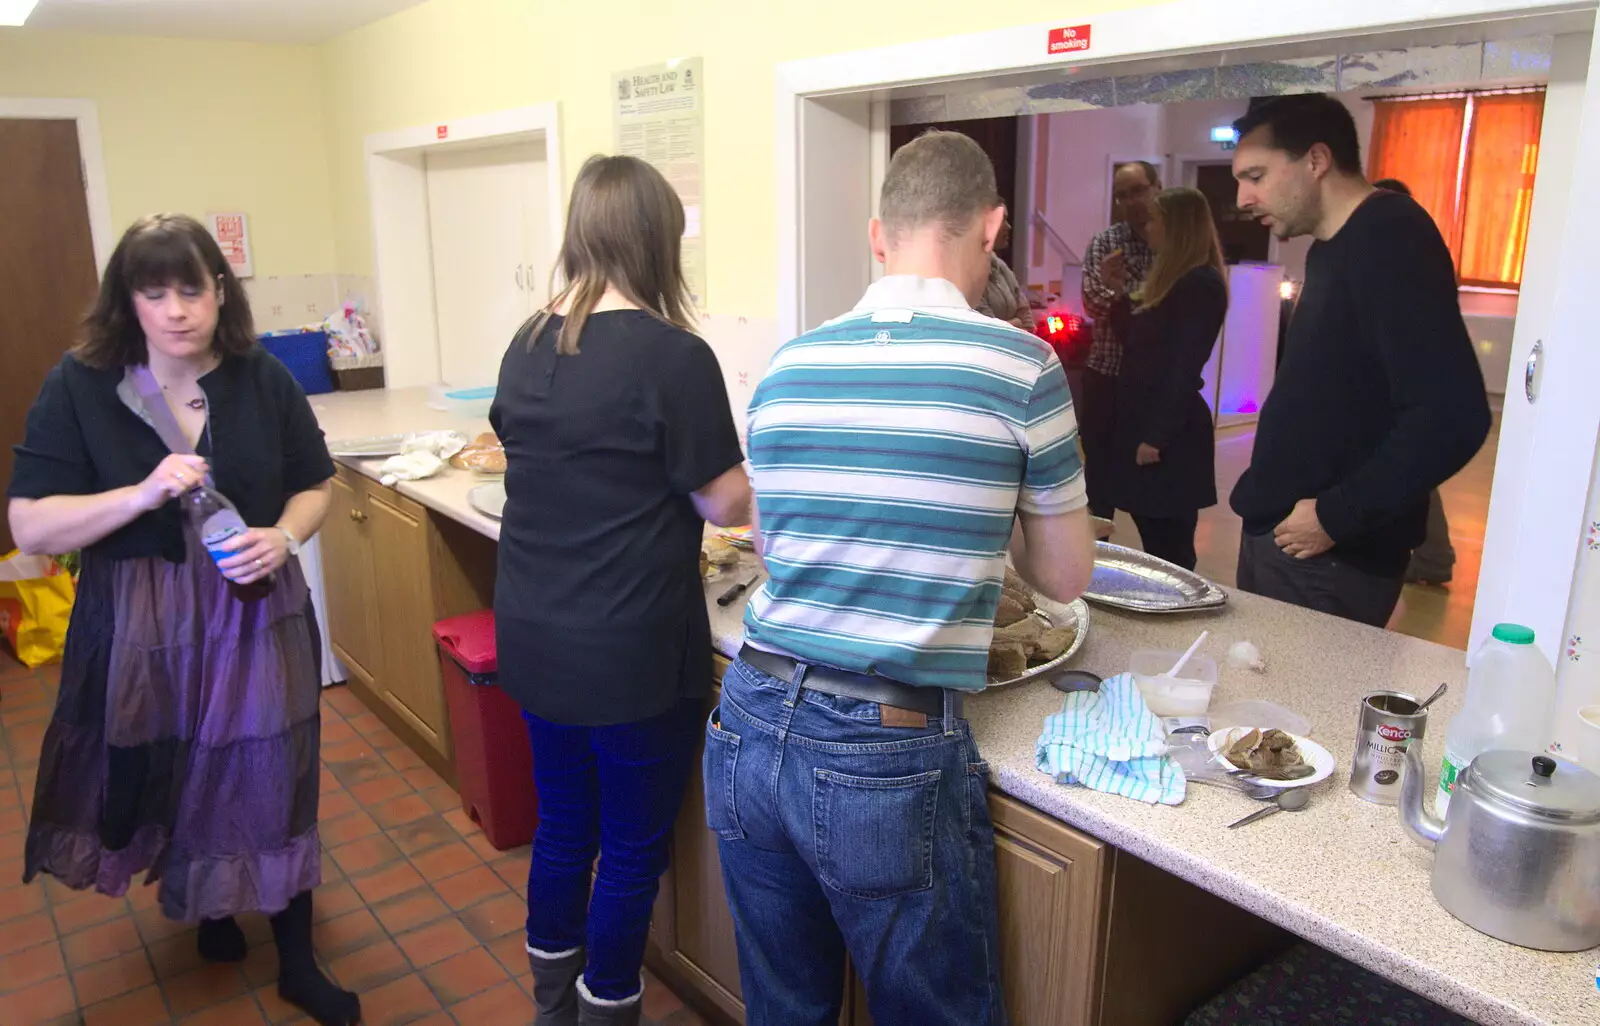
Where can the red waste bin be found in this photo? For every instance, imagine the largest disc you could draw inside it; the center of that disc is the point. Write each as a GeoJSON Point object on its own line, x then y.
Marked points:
{"type": "Point", "coordinates": [494, 758]}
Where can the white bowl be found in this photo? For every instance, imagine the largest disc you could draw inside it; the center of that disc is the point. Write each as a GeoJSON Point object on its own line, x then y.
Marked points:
{"type": "Point", "coordinates": [1320, 759]}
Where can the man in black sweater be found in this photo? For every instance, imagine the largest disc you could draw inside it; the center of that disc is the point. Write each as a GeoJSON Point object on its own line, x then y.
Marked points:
{"type": "Point", "coordinates": [1378, 398]}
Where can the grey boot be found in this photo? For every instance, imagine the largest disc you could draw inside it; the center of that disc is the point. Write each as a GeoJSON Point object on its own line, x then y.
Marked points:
{"type": "Point", "coordinates": [555, 986]}
{"type": "Point", "coordinates": [593, 1011]}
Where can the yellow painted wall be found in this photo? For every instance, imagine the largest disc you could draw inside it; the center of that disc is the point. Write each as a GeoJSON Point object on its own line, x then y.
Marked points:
{"type": "Point", "coordinates": [197, 126]}
{"type": "Point", "coordinates": [453, 58]}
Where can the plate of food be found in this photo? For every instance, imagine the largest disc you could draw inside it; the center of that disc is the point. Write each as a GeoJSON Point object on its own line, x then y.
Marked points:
{"type": "Point", "coordinates": [1272, 757]}
{"type": "Point", "coordinates": [1034, 636]}
{"type": "Point", "coordinates": [484, 456]}
{"type": "Point", "coordinates": [716, 558]}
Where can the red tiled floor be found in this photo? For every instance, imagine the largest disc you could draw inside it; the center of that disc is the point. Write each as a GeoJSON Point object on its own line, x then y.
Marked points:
{"type": "Point", "coordinates": [446, 861]}
{"type": "Point", "coordinates": [435, 943]}
{"type": "Point", "coordinates": [113, 977]}
{"type": "Point", "coordinates": [241, 1011]}
{"type": "Point", "coordinates": [464, 975]}
{"type": "Point", "coordinates": [404, 1001]}
{"type": "Point", "coordinates": [467, 889]}
{"type": "Point", "coordinates": [417, 911]}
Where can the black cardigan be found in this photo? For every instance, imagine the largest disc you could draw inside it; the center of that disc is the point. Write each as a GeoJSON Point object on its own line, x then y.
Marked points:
{"type": "Point", "coordinates": [263, 443]}
{"type": "Point", "coordinates": [1159, 401]}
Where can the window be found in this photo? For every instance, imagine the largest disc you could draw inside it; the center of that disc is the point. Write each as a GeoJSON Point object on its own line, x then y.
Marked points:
{"type": "Point", "coordinates": [1469, 159]}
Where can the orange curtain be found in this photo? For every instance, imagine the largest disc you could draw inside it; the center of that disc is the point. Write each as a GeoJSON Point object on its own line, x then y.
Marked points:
{"type": "Point", "coordinates": [1502, 156]}
{"type": "Point", "coordinates": [1419, 142]}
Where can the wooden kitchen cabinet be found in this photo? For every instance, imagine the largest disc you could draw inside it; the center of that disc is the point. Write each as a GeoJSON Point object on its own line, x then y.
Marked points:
{"type": "Point", "coordinates": [1086, 930]}
{"type": "Point", "coordinates": [391, 569]}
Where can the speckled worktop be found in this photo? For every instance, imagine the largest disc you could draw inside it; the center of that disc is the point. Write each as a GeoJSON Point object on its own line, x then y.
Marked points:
{"type": "Point", "coordinates": [1341, 873]}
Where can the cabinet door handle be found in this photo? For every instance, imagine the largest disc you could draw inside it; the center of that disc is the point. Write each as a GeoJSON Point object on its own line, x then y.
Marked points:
{"type": "Point", "coordinates": [1530, 387]}
{"type": "Point", "coordinates": [356, 516]}
{"type": "Point", "coordinates": [519, 276]}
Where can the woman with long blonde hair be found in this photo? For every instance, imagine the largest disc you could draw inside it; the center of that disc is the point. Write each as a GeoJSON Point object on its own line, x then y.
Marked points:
{"type": "Point", "coordinates": [620, 445]}
{"type": "Point", "coordinates": [1164, 456]}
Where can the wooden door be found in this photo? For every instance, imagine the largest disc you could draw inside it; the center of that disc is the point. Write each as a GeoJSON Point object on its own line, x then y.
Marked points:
{"type": "Point", "coordinates": [1051, 905]}
{"type": "Point", "coordinates": [47, 265]}
{"type": "Point", "coordinates": [408, 676]}
{"type": "Point", "coordinates": [347, 577]}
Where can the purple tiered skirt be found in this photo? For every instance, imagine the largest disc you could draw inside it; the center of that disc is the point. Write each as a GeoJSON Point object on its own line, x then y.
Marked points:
{"type": "Point", "coordinates": [185, 740]}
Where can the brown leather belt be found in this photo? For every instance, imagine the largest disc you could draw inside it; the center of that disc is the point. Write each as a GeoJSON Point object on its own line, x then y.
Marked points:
{"type": "Point", "coordinates": [926, 703]}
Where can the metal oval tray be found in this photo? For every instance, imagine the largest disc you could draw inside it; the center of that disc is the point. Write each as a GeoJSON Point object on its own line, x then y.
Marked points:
{"type": "Point", "coordinates": [1055, 614]}
{"type": "Point", "coordinates": [1126, 578]}
{"type": "Point", "coordinates": [489, 499]}
{"type": "Point", "coordinates": [372, 448]}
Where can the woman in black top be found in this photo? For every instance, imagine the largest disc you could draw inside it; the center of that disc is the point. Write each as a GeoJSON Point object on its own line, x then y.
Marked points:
{"type": "Point", "coordinates": [1165, 452]}
{"type": "Point", "coordinates": [185, 737]}
{"type": "Point", "coordinates": [620, 444]}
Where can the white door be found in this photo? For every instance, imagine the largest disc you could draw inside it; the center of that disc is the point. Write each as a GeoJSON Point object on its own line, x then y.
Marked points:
{"type": "Point", "coordinates": [477, 216]}
{"type": "Point", "coordinates": [538, 254]}
{"type": "Point", "coordinates": [1547, 444]}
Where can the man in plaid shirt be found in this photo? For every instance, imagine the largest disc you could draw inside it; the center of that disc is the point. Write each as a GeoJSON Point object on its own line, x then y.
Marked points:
{"type": "Point", "coordinates": [1133, 189]}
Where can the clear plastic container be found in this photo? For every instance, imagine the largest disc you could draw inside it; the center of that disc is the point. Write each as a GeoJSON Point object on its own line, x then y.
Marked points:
{"type": "Point", "coordinates": [1188, 695]}
{"type": "Point", "coordinates": [1510, 689]}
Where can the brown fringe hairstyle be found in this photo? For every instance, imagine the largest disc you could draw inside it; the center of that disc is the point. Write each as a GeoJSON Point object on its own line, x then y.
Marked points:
{"type": "Point", "coordinates": [624, 231]}
{"type": "Point", "coordinates": [1189, 240]}
{"type": "Point", "coordinates": [157, 251]}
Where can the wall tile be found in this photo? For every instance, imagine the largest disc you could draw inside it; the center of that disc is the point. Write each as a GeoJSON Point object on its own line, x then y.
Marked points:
{"type": "Point", "coordinates": [1517, 58]}
{"type": "Point", "coordinates": [744, 347]}
{"type": "Point", "coordinates": [1278, 78]}
{"type": "Point", "coordinates": [1167, 87]}
{"type": "Point", "coordinates": [1073, 94]}
{"type": "Point", "coordinates": [1441, 66]}
{"type": "Point", "coordinates": [291, 301]}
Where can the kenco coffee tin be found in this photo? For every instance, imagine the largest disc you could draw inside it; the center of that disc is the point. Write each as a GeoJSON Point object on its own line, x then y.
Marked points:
{"type": "Point", "coordinates": [1389, 721]}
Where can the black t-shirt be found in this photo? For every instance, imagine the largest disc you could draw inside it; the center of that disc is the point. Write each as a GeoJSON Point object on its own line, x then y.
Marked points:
{"type": "Point", "coordinates": [1379, 398]}
{"type": "Point", "coordinates": [600, 609]}
{"type": "Point", "coordinates": [262, 441]}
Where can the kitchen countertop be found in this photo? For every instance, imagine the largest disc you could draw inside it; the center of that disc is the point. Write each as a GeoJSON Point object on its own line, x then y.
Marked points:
{"type": "Point", "coordinates": [1341, 874]}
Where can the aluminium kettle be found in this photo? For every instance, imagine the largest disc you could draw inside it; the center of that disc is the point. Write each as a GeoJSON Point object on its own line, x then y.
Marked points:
{"type": "Point", "coordinates": [1518, 855]}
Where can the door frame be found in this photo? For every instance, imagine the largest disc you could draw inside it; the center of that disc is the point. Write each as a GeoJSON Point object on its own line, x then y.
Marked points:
{"type": "Point", "coordinates": [96, 190]}
{"type": "Point", "coordinates": [402, 249]}
{"type": "Point", "coordinates": [820, 101]}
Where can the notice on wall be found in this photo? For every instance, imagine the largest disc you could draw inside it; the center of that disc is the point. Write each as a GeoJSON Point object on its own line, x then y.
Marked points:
{"type": "Point", "coordinates": [659, 117]}
{"type": "Point", "coordinates": [232, 233]}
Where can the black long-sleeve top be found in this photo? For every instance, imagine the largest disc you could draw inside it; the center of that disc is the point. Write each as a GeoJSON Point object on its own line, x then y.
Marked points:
{"type": "Point", "coordinates": [1379, 398]}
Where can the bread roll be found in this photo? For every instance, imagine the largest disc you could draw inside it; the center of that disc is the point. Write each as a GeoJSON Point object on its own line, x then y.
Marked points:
{"type": "Point", "coordinates": [1007, 661]}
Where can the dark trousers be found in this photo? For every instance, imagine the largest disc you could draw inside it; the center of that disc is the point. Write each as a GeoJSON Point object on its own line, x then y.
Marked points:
{"type": "Point", "coordinates": [1324, 583]}
{"type": "Point", "coordinates": [613, 791]}
{"type": "Point", "coordinates": [1169, 538]}
{"type": "Point", "coordinates": [1434, 560]}
{"type": "Point", "coordinates": [1097, 429]}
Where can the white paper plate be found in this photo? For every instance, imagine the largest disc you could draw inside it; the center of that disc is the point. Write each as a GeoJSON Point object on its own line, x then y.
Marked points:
{"type": "Point", "coordinates": [1315, 754]}
{"type": "Point", "coordinates": [489, 499]}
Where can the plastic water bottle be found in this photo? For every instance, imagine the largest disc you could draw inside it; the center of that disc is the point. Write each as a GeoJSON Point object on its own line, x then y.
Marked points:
{"type": "Point", "coordinates": [1510, 688]}
{"type": "Point", "coordinates": [216, 519]}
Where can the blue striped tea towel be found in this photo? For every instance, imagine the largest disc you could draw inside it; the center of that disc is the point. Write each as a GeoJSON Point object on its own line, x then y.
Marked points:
{"type": "Point", "coordinates": [1110, 741]}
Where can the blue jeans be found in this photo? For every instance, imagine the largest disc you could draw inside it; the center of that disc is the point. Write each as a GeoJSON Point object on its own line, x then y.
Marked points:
{"type": "Point", "coordinates": [613, 791]}
{"type": "Point", "coordinates": [839, 834]}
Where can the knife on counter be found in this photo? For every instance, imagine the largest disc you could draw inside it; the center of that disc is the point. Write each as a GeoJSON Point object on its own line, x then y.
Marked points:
{"type": "Point", "coordinates": [727, 597]}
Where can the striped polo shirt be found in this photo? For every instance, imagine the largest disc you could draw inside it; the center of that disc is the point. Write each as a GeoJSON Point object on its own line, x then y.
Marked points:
{"type": "Point", "coordinates": [891, 450]}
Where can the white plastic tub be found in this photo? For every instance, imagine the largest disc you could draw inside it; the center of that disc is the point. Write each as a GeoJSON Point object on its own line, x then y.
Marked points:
{"type": "Point", "coordinates": [1188, 695]}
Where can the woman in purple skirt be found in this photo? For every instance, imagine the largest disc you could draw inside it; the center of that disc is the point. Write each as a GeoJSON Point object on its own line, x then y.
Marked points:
{"type": "Point", "coordinates": [185, 739]}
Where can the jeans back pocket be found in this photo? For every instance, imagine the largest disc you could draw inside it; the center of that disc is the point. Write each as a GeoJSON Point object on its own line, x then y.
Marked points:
{"type": "Point", "coordinates": [719, 764]}
{"type": "Point", "coordinates": [875, 835]}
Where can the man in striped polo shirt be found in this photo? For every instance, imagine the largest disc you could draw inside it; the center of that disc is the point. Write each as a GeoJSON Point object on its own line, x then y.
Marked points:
{"type": "Point", "coordinates": [898, 452]}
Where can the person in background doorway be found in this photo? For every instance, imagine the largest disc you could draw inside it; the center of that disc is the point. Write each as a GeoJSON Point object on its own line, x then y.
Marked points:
{"type": "Point", "coordinates": [1122, 253]}
{"type": "Point", "coordinates": [897, 452]}
{"type": "Point", "coordinates": [1004, 298]}
{"type": "Point", "coordinates": [1432, 562]}
{"type": "Point", "coordinates": [186, 736]}
{"type": "Point", "coordinates": [1164, 450]}
{"type": "Point", "coordinates": [620, 445]}
{"type": "Point", "coordinates": [1379, 398]}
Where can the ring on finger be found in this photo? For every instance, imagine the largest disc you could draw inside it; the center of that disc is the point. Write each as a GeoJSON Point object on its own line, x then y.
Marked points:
{"type": "Point", "coordinates": [261, 564]}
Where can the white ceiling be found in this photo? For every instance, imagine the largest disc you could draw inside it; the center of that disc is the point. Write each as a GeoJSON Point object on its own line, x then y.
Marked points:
{"type": "Point", "coordinates": [262, 21]}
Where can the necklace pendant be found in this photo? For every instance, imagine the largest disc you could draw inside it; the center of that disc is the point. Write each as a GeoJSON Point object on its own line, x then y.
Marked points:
{"type": "Point", "coordinates": [197, 404]}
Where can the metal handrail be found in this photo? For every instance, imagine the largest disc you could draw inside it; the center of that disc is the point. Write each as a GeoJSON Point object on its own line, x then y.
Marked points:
{"type": "Point", "coordinates": [1056, 241]}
